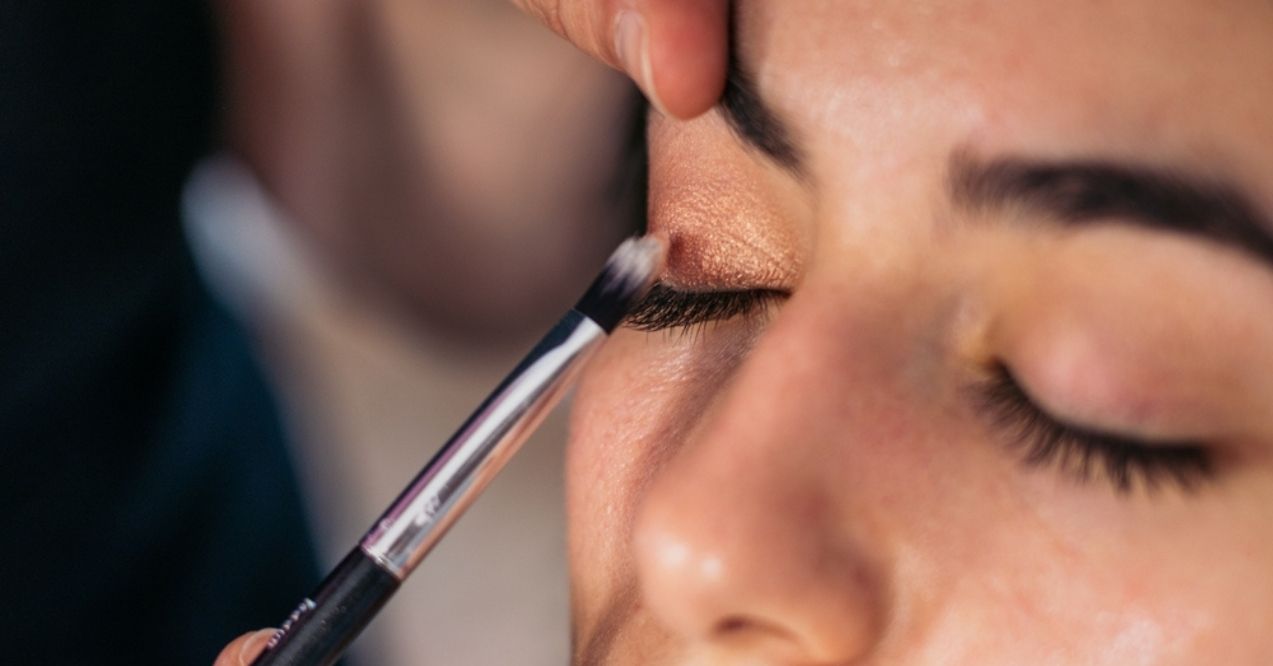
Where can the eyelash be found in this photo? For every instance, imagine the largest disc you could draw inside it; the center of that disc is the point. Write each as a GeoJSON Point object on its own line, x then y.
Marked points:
{"type": "Point", "coordinates": [666, 308]}
{"type": "Point", "coordinates": [1123, 461]}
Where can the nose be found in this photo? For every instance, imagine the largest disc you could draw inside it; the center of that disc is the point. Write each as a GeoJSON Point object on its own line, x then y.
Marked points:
{"type": "Point", "coordinates": [742, 542]}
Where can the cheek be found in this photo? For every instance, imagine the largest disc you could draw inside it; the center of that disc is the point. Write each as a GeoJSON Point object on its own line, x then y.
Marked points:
{"type": "Point", "coordinates": [1000, 563]}
{"type": "Point", "coordinates": [636, 402]}
{"type": "Point", "coordinates": [607, 433]}
{"type": "Point", "coordinates": [1033, 598]}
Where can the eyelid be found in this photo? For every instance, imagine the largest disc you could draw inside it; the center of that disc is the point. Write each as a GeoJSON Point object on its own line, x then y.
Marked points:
{"type": "Point", "coordinates": [1046, 440]}
{"type": "Point", "coordinates": [665, 307]}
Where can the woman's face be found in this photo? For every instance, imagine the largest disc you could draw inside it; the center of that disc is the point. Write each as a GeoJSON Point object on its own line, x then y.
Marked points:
{"type": "Point", "coordinates": [985, 369]}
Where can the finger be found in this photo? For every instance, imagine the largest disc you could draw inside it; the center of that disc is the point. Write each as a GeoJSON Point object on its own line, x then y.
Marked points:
{"type": "Point", "coordinates": [244, 649]}
{"type": "Point", "coordinates": [689, 53]}
{"type": "Point", "coordinates": [676, 50]}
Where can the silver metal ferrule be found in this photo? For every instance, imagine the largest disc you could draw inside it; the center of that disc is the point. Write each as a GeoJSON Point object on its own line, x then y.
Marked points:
{"type": "Point", "coordinates": [463, 467]}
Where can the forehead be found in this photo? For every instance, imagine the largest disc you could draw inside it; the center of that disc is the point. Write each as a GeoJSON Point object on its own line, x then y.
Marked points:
{"type": "Point", "coordinates": [1162, 80]}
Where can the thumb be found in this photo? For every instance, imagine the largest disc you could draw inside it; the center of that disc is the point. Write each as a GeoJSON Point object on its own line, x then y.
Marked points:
{"type": "Point", "coordinates": [676, 50]}
{"type": "Point", "coordinates": [245, 648]}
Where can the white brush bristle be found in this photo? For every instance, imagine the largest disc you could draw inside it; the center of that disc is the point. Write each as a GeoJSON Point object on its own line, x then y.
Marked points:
{"type": "Point", "coordinates": [625, 279]}
{"type": "Point", "coordinates": [634, 265]}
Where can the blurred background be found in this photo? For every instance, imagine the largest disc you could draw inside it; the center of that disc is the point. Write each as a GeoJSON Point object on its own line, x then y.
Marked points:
{"type": "Point", "coordinates": [436, 180]}
{"type": "Point", "coordinates": [391, 198]}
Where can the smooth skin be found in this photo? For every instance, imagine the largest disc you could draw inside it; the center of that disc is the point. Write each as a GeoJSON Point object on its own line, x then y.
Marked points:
{"type": "Point", "coordinates": [820, 482]}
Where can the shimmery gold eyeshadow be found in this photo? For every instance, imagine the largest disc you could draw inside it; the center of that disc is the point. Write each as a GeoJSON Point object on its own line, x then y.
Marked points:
{"type": "Point", "coordinates": [715, 260]}
{"type": "Point", "coordinates": [723, 235]}
{"type": "Point", "coordinates": [730, 221]}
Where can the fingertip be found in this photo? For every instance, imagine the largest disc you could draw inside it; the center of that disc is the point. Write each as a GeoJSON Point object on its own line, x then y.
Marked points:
{"type": "Point", "coordinates": [675, 50]}
{"type": "Point", "coordinates": [255, 645]}
{"type": "Point", "coordinates": [242, 650]}
{"type": "Point", "coordinates": [689, 55]}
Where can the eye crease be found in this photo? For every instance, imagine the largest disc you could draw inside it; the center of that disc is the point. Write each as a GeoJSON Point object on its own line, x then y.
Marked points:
{"type": "Point", "coordinates": [666, 308]}
{"type": "Point", "coordinates": [1123, 461]}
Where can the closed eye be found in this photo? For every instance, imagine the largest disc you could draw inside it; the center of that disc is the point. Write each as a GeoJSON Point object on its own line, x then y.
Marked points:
{"type": "Point", "coordinates": [1084, 452]}
{"type": "Point", "coordinates": [667, 308]}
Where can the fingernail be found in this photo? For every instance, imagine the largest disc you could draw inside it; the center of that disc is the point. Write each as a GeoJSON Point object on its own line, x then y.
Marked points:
{"type": "Point", "coordinates": [252, 645]}
{"type": "Point", "coordinates": [632, 45]}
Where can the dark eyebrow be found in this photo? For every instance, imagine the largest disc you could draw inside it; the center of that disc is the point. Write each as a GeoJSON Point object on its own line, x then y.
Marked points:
{"type": "Point", "coordinates": [751, 119]}
{"type": "Point", "coordinates": [1082, 191]}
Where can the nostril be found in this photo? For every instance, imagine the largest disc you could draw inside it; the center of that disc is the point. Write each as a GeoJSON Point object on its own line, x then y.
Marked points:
{"type": "Point", "coordinates": [746, 635]}
{"type": "Point", "coordinates": [731, 625]}
{"type": "Point", "coordinates": [742, 627]}
{"type": "Point", "coordinates": [721, 568]}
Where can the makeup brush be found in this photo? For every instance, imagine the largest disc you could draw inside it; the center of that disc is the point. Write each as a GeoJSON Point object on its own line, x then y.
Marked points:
{"type": "Point", "coordinates": [324, 624]}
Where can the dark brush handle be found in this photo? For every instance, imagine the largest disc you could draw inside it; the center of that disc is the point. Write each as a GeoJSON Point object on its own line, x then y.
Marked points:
{"type": "Point", "coordinates": [325, 624]}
